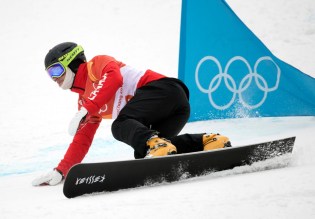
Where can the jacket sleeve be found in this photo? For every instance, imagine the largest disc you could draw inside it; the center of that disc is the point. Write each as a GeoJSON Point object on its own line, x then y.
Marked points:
{"type": "Point", "coordinates": [79, 147]}
{"type": "Point", "coordinates": [111, 80]}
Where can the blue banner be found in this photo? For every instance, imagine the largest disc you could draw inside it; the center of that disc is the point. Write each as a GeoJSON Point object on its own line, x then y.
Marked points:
{"type": "Point", "coordinates": [231, 73]}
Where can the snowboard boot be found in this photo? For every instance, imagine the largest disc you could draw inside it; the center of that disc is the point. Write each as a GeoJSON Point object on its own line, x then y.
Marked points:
{"type": "Point", "coordinates": [159, 147]}
{"type": "Point", "coordinates": [215, 141]}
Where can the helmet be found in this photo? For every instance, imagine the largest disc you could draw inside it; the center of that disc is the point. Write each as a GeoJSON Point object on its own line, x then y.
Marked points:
{"type": "Point", "coordinates": [63, 49]}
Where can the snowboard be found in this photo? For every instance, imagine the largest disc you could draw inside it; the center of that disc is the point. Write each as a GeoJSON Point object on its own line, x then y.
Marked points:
{"type": "Point", "coordinates": [86, 178]}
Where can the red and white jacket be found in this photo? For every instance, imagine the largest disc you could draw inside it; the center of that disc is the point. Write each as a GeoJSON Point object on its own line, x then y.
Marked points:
{"type": "Point", "coordinates": [104, 85]}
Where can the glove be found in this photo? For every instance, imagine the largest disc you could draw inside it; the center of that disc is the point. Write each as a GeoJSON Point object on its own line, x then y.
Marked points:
{"type": "Point", "coordinates": [77, 120]}
{"type": "Point", "coordinates": [51, 178]}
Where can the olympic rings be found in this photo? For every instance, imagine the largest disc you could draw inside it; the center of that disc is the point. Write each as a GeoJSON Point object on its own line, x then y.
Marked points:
{"type": "Point", "coordinates": [229, 82]}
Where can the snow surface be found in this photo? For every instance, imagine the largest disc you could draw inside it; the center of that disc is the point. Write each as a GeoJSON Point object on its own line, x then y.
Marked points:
{"type": "Point", "coordinates": [34, 112]}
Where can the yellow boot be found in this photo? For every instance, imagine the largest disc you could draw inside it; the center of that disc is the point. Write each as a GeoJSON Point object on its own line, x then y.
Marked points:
{"type": "Point", "coordinates": [215, 141]}
{"type": "Point", "coordinates": [160, 147]}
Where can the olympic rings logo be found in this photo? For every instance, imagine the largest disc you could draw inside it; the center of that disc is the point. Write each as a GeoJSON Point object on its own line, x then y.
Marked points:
{"type": "Point", "coordinates": [253, 76]}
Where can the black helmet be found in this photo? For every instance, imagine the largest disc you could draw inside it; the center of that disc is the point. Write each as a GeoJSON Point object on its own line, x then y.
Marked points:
{"type": "Point", "coordinates": [62, 49]}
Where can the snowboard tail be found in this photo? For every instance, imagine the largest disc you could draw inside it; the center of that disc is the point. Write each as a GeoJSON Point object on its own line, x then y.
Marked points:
{"type": "Point", "coordinates": [88, 178]}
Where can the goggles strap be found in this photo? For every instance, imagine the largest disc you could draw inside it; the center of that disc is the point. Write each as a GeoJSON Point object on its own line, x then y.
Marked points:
{"type": "Point", "coordinates": [66, 59]}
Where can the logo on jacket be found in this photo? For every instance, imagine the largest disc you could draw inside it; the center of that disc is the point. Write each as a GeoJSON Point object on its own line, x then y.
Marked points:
{"type": "Point", "coordinates": [97, 87]}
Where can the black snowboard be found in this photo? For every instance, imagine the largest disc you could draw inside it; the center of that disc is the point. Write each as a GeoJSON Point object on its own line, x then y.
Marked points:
{"type": "Point", "coordinates": [87, 178]}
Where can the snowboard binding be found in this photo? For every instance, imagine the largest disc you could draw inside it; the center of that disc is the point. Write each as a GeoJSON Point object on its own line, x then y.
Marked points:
{"type": "Point", "coordinates": [215, 141]}
{"type": "Point", "coordinates": [160, 147]}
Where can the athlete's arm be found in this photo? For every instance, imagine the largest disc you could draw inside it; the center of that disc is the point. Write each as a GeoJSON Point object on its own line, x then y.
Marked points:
{"type": "Point", "coordinates": [80, 145]}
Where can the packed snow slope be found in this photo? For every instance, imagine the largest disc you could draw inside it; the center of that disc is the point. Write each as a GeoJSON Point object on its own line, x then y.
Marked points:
{"type": "Point", "coordinates": [34, 112]}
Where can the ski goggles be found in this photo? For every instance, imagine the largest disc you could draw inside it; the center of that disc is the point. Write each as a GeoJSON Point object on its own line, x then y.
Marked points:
{"type": "Point", "coordinates": [57, 69]}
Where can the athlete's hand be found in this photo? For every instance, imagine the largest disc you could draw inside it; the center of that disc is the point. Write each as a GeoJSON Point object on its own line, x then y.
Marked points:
{"type": "Point", "coordinates": [51, 178]}
{"type": "Point", "coordinates": [76, 121]}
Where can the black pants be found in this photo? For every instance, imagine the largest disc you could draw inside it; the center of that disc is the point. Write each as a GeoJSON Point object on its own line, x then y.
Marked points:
{"type": "Point", "coordinates": [160, 107]}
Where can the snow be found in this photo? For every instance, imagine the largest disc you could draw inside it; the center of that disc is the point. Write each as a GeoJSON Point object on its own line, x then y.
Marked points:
{"type": "Point", "coordinates": [34, 112]}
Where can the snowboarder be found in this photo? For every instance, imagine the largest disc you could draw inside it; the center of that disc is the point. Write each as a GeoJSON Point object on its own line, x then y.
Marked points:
{"type": "Point", "coordinates": [148, 108]}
